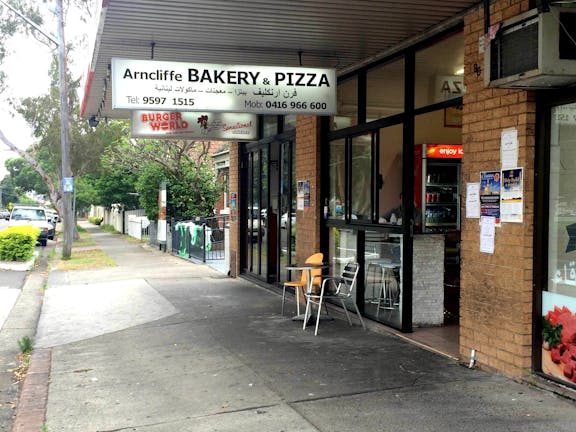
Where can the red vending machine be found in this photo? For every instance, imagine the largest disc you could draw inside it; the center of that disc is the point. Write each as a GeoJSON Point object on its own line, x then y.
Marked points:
{"type": "Point", "coordinates": [437, 187]}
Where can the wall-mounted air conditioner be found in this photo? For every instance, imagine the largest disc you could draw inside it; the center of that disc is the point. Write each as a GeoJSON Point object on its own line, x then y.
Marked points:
{"type": "Point", "coordinates": [534, 50]}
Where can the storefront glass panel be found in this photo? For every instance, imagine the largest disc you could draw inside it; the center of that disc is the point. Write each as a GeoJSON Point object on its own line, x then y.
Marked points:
{"type": "Point", "coordinates": [385, 91]}
{"type": "Point", "coordinates": [337, 175]}
{"type": "Point", "coordinates": [287, 211]}
{"type": "Point", "coordinates": [390, 175]}
{"type": "Point", "coordinates": [383, 277]}
{"type": "Point", "coordinates": [361, 178]}
{"type": "Point", "coordinates": [343, 249]}
{"type": "Point", "coordinates": [289, 122]}
{"type": "Point", "coordinates": [269, 125]}
{"type": "Point", "coordinates": [559, 297]}
{"type": "Point", "coordinates": [347, 105]}
{"type": "Point", "coordinates": [440, 71]}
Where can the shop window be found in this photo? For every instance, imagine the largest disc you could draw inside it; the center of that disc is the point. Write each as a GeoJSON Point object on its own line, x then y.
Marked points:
{"type": "Point", "coordinates": [343, 250]}
{"type": "Point", "coordinates": [269, 125]}
{"type": "Point", "coordinates": [361, 178]}
{"type": "Point", "coordinates": [389, 181]}
{"type": "Point", "coordinates": [347, 105]}
{"type": "Point", "coordinates": [438, 154]}
{"type": "Point", "coordinates": [385, 90]}
{"type": "Point", "coordinates": [439, 74]}
{"type": "Point", "coordinates": [559, 297]}
{"type": "Point", "coordinates": [383, 277]}
{"type": "Point", "coordinates": [337, 179]}
{"type": "Point", "coordinates": [289, 122]}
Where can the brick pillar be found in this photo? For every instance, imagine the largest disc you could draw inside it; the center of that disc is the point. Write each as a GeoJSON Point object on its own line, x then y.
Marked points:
{"type": "Point", "coordinates": [496, 290]}
{"type": "Point", "coordinates": [234, 187]}
{"type": "Point", "coordinates": [308, 168]}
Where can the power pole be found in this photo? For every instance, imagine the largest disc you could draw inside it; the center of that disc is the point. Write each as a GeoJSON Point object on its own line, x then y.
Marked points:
{"type": "Point", "coordinates": [67, 216]}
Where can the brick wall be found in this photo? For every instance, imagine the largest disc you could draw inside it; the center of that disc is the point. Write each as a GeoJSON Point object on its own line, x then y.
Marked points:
{"type": "Point", "coordinates": [496, 290]}
{"type": "Point", "coordinates": [308, 168]}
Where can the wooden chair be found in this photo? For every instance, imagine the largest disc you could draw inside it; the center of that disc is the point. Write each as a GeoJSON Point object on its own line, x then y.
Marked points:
{"type": "Point", "coordinates": [301, 285]}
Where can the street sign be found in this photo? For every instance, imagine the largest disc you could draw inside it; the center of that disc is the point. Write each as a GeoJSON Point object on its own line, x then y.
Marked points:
{"type": "Point", "coordinates": [68, 184]}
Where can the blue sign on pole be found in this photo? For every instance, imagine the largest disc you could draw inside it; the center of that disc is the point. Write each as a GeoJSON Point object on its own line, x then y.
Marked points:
{"type": "Point", "coordinates": [68, 184]}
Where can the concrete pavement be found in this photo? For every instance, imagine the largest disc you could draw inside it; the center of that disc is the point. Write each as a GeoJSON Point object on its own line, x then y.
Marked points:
{"type": "Point", "coordinates": [161, 344]}
{"type": "Point", "coordinates": [20, 302]}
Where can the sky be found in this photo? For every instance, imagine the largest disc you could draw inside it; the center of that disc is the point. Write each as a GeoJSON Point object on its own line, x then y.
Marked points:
{"type": "Point", "coordinates": [27, 66]}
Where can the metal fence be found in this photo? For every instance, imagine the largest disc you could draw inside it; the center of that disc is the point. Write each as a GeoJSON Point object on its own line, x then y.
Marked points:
{"type": "Point", "coordinates": [201, 238]}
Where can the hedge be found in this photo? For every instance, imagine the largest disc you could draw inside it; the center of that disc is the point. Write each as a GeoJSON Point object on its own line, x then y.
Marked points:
{"type": "Point", "coordinates": [17, 243]}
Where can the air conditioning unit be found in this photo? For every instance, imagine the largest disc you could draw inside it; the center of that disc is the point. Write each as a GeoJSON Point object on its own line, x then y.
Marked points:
{"type": "Point", "coordinates": [534, 50]}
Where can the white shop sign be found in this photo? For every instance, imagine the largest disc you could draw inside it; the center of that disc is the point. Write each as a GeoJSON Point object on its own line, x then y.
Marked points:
{"type": "Point", "coordinates": [194, 125]}
{"type": "Point", "coordinates": [156, 85]}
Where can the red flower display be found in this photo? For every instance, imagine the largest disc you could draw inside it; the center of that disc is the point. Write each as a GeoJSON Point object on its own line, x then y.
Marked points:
{"type": "Point", "coordinates": [565, 352]}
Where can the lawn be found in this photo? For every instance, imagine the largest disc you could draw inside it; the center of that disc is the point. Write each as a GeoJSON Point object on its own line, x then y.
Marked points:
{"type": "Point", "coordinates": [86, 259]}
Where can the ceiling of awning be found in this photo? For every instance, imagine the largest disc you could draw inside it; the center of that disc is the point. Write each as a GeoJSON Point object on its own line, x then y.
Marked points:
{"type": "Point", "coordinates": [312, 33]}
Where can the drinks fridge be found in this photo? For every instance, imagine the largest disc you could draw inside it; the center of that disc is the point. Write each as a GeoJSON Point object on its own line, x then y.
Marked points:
{"type": "Point", "coordinates": [437, 187]}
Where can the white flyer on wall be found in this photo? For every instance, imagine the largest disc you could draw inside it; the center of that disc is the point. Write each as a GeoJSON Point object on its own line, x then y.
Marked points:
{"type": "Point", "coordinates": [473, 200]}
{"type": "Point", "coordinates": [487, 234]}
{"type": "Point", "coordinates": [509, 148]}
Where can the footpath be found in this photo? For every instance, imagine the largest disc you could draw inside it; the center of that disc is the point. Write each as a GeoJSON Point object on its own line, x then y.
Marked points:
{"type": "Point", "coordinates": [160, 344]}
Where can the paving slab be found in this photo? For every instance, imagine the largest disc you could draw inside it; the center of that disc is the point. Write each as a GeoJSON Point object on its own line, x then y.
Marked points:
{"type": "Point", "coordinates": [8, 297]}
{"type": "Point", "coordinates": [75, 312]}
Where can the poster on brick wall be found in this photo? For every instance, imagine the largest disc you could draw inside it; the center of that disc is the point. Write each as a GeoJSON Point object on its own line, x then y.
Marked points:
{"type": "Point", "coordinates": [511, 198]}
{"type": "Point", "coordinates": [490, 194]}
{"type": "Point", "coordinates": [302, 194]}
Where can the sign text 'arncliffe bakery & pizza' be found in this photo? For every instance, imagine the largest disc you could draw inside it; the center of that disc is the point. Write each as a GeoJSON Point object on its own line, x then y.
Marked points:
{"type": "Point", "coordinates": [155, 85]}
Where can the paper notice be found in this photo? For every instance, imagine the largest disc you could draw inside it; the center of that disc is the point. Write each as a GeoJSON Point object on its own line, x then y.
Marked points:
{"type": "Point", "coordinates": [487, 234]}
{"type": "Point", "coordinates": [473, 200]}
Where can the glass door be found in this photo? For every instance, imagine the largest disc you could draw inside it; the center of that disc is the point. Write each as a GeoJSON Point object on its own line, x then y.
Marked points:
{"type": "Point", "coordinates": [270, 197]}
{"type": "Point", "coordinates": [257, 198]}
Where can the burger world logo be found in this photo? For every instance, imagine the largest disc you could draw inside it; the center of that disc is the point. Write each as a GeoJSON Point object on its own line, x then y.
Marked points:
{"type": "Point", "coordinates": [164, 121]}
{"type": "Point", "coordinates": [193, 125]}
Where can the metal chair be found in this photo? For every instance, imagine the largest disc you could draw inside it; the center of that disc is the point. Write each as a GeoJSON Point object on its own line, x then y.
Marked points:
{"type": "Point", "coordinates": [335, 287]}
{"type": "Point", "coordinates": [302, 284]}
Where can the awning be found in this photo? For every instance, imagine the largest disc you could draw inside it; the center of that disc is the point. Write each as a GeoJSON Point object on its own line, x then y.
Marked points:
{"type": "Point", "coordinates": [340, 34]}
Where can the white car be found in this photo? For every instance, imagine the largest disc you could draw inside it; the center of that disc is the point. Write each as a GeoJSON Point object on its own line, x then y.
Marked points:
{"type": "Point", "coordinates": [255, 228]}
{"type": "Point", "coordinates": [35, 216]}
{"type": "Point", "coordinates": [52, 216]}
{"type": "Point", "coordinates": [284, 220]}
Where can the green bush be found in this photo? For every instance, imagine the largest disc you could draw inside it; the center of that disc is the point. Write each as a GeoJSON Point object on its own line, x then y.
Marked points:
{"type": "Point", "coordinates": [95, 220]}
{"type": "Point", "coordinates": [17, 243]}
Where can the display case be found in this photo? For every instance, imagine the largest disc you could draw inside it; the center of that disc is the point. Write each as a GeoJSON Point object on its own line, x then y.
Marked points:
{"type": "Point", "coordinates": [439, 192]}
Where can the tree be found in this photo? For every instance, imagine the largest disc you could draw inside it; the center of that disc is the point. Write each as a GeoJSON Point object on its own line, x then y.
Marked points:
{"type": "Point", "coordinates": [24, 177]}
{"type": "Point", "coordinates": [61, 200]}
{"type": "Point", "coordinates": [184, 165]}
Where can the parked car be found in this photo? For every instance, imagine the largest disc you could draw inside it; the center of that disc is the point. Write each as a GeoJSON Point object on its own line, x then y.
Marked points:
{"type": "Point", "coordinates": [4, 214]}
{"type": "Point", "coordinates": [254, 225]}
{"type": "Point", "coordinates": [284, 220]}
{"type": "Point", "coordinates": [35, 216]}
{"type": "Point", "coordinates": [53, 217]}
